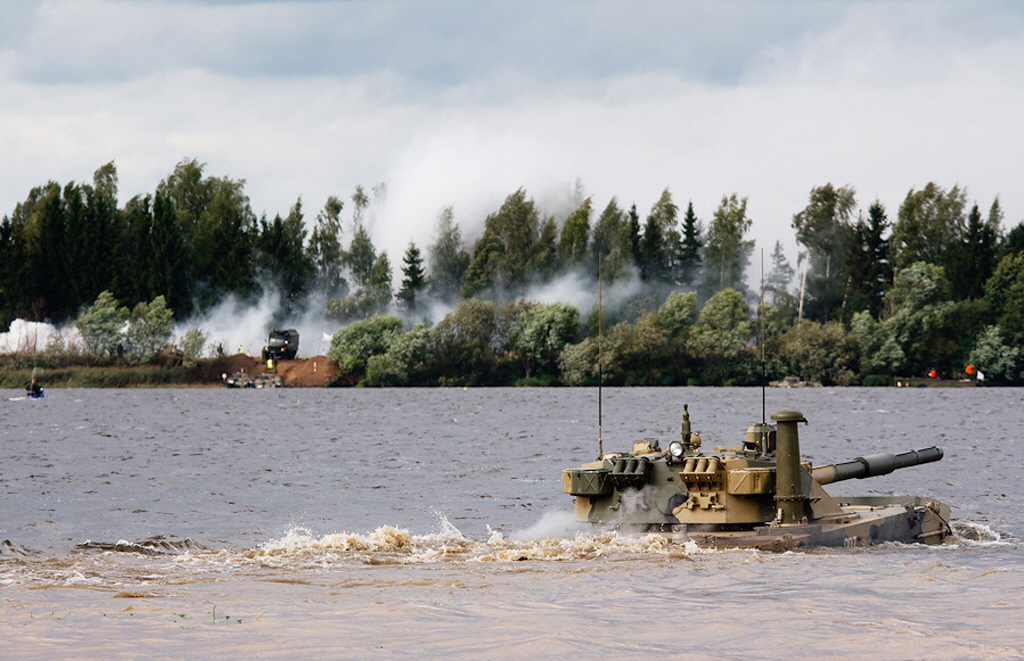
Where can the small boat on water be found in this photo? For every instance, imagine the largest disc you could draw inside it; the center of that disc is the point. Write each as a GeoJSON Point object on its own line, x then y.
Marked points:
{"type": "Point", "coordinates": [759, 494]}
{"type": "Point", "coordinates": [244, 380]}
{"type": "Point", "coordinates": [933, 382]}
{"type": "Point", "coordinates": [32, 391]}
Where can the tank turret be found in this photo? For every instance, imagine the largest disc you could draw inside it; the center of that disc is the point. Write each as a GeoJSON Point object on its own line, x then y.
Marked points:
{"type": "Point", "coordinates": [759, 493]}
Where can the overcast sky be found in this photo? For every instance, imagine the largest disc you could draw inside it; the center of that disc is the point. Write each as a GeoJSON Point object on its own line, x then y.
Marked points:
{"type": "Point", "coordinates": [461, 103]}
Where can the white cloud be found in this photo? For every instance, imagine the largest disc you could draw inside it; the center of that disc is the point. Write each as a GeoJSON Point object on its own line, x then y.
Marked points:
{"type": "Point", "coordinates": [451, 106]}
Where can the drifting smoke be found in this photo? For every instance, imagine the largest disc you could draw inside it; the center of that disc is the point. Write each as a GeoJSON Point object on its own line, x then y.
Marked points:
{"type": "Point", "coordinates": [29, 336]}
{"type": "Point", "coordinates": [234, 325]}
{"type": "Point", "coordinates": [552, 524]}
{"type": "Point", "coordinates": [581, 290]}
{"type": "Point", "coordinates": [473, 169]}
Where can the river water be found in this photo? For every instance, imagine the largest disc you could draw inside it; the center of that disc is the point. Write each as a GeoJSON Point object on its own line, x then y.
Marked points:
{"type": "Point", "coordinates": [430, 523]}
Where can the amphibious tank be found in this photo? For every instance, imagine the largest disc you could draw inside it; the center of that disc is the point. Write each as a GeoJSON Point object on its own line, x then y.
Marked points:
{"type": "Point", "coordinates": [757, 494]}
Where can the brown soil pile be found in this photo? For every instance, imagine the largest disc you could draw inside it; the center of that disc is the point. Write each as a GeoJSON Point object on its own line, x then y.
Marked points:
{"type": "Point", "coordinates": [316, 372]}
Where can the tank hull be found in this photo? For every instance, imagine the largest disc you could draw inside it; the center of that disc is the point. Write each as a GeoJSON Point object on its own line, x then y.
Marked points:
{"type": "Point", "coordinates": [869, 521]}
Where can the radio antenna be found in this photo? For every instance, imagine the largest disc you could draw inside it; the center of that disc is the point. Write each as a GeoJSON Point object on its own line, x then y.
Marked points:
{"type": "Point", "coordinates": [600, 356]}
{"type": "Point", "coordinates": [764, 376]}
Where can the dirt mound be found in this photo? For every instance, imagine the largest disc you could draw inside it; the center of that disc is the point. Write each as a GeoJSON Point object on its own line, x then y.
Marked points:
{"type": "Point", "coordinates": [315, 372]}
{"type": "Point", "coordinates": [239, 362]}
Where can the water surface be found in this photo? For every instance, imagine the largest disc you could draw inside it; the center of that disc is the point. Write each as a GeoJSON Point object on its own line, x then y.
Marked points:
{"type": "Point", "coordinates": [428, 523]}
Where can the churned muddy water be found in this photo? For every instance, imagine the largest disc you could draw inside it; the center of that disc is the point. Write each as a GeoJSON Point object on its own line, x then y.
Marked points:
{"type": "Point", "coordinates": [430, 523]}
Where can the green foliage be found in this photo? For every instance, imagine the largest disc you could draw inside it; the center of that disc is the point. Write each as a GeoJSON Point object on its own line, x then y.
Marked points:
{"type": "Point", "coordinates": [405, 363]}
{"type": "Point", "coordinates": [371, 273]}
{"type": "Point", "coordinates": [193, 346]}
{"type": "Point", "coordinates": [361, 257]}
{"type": "Point", "coordinates": [867, 262]}
{"type": "Point", "coordinates": [572, 248]}
{"type": "Point", "coordinates": [353, 345]}
{"type": "Point", "coordinates": [282, 258]}
{"type": "Point", "coordinates": [1004, 293]}
{"type": "Point", "coordinates": [922, 329]}
{"type": "Point", "coordinates": [150, 327]}
{"type": "Point", "coordinates": [219, 230]}
{"type": "Point", "coordinates": [448, 259]}
{"type": "Point", "coordinates": [826, 353]}
{"type": "Point", "coordinates": [605, 231]}
{"type": "Point", "coordinates": [503, 251]}
{"type": "Point", "coordinates": [578, 363]}
{"type": "Point", "coordinates": [661, 244]}
{"type": "Point", "coordinates": [465, 338]}
{"type": "Point", "coordinates": [102, 325]}
{"type": "Point", "coordinates": [64, 344]}
{"type": "Point", "coordinates": [722, 331]}
{"type": "Point", "coordinates": [824, 229]}
{"type": "Point", "coordinates": [919, 285]}
{"type": "Point", "coordinates": [678, 313]}
{"type": "Point", "coordinates": [195, 241]}
{"type": "Point", "coordinates": [360, 201]}
{"type": "Point", "coordinates": [325, 251]}
{"type": "Point", "coordinates": [974, 256]}
{"type": "Point", "coordinates": [930, 223]}
{"type": "Point", "coordinates": [776, 283]}
{"type": "Point", "coordinates": [544, 259]}
{"type": "Point", "coordinates": [380, 283]}
{"type": "Point", "coordinates": [727, 253]}
{"type": "Point", "coordinates": [102, 377]}
{"type": "Point", "coordinates": [880, 353]}
{"type": "Point", "coordinates": [616, 241]}
{"type": "Point", "coordinates": [415, 280]}
{"type": "Point", "coordinates": [692, 248]}
{"type": "Point", "coordinates": [351, 308]}
{"type": "Point", "coordinates": [999, 362]}
{"type": "Point", "coordinates": [540, 332]}
{"type": "Point", "coordinates": [1013, 242]}
{"type": "Point", "coordinates": [637, 354]}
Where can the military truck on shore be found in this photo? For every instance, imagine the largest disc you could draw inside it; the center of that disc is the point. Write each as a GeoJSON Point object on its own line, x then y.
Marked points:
{"type": "Point", "coordinates": [281, 345]}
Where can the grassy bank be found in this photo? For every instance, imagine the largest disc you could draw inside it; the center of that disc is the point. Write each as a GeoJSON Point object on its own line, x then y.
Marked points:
{"type": "Point", "coordinates": [205, 372]}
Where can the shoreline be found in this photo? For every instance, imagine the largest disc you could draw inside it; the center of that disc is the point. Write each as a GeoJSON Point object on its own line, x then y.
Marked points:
{"type": "Point", "coordinates": [315, 372]}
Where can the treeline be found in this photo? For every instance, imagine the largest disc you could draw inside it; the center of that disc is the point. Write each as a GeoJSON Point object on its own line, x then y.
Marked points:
{"type": "Point", "coordinates": [937, 287]}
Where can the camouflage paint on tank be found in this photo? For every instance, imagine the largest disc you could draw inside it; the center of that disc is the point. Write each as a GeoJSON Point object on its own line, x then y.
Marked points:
{"type": "Point", "coordinates": [758, 494]}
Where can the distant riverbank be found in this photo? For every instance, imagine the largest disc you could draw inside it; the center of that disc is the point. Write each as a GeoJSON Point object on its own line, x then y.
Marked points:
{"type": "Point", "coordinates": [308, 372]}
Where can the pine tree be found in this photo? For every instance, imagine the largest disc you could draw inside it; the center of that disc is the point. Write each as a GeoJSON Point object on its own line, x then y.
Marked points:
{"type": "Point", "coordinates": [283, 259]}
{"type": "Point", "coordinates": [975, 257]}
{"type": "Point", "coordinates": [414, 280]}
{"type": "Point", "coordinates": [661, 244]}
{"type": "Point", "coordinates": [776, 284]}
{"type": "Point", "coordinates": [869, 270]}
{"type": "Point", "coordinates": [360, 256]}
{"type": "Point", "coordinates": [692, 248]}
{"type": "Point", "coordinates": [171, 276]}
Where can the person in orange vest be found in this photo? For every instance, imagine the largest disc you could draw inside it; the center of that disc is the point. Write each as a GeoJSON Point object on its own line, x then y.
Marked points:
{"type": "Point", "coordinates": [932, 373]}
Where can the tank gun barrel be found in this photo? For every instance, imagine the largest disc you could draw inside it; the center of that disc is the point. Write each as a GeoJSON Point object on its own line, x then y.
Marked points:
{"type": "Point", "coordinates": [874, 465]}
